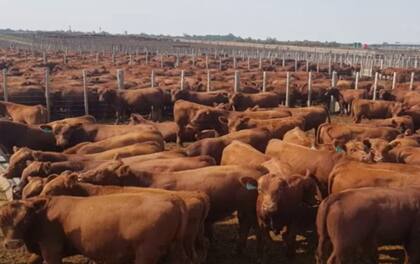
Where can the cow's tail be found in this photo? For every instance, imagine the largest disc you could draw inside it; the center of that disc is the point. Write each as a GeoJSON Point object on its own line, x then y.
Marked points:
{"type": "Point", "coordinates": [177, 251]}
{"type": "Point", "coordinates": [321, 225]}
{"type": "Point", "coordinates": [318, 134]}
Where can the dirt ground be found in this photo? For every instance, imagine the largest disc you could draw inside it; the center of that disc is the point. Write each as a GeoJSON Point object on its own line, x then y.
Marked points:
{"type": "Point", "coordinates": [222, 251]}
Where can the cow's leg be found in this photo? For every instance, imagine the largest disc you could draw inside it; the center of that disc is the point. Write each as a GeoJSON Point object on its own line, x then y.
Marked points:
{"type": "Point", "coordinates": [289, 237]}
{"type": "Point", "coordinates": [35, 259]}
{"type": "Point", "coordinates": [179, 133]}
{"type": "Point", "coordinates": [246, 221]}
{"type": "Point", "coordinates": [147, 255]}
{"type": "Point", "coordinates": [263, 243]}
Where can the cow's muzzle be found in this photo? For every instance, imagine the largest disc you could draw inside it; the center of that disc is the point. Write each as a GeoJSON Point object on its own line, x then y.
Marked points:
{"type": "Point", "coordinates": [13, 243]}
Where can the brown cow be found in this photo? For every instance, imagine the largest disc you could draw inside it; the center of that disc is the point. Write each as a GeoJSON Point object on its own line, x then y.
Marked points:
{"type": "Point", "coordinates": [30, 115]}
{"type": "Point", "coordinates": [284, 200]}
{"type": "Point", "coordinates": [133, 101]}
{"type": "Point", "coordinates": [67, 135]}
{"type": "Point", "coordinates": [86, 119]}
{"type": "Point", "coordinates": [20, 135]}
{"type": "Point", "coordinates": [242, 154]}
{"type": "Point", "coordinates": [370, 109]}
{"type": "Point", "coordinates": [299, 137]}
{"type": "Point", "coordinates": [209, 99]}
{"type": "Point", "coordinates": [353, 174]}
{"type": "Point", "coordinates": [114, 142]}
{"type": "Point", "coordinates": [401, 122]}
{"type": "Point", "coordinates": [220, 183]}
{"type": "Point", "coordinates": [168, 129]}
{"type": "Point", "coordinates": [258, 138]}
{"type": "Point", "coordinates": [358, 218]}
{"type": "Point", "coordinates": [185, 112]}
{"type": "Point", "coordinates": [341, 133]}
{"type": "Point", "coordinates": [319, 162]}
{"type": "Point", "coordinates": [277, 126]}
{"type": "Point", "coordinates": [345, 97]}
{"type": "Point", "coordinates": [197, 205]}
{"type": "Point", "coordinates": [241, 101]}
{"type": "Point", "coordinates": [45, 225]}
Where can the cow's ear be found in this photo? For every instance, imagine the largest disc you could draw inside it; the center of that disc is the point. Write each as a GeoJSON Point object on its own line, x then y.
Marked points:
{"type": "Point", "coordinates": [46, 166]}
{"type": "Point", "coordinates": [117, 156]}
{"type": "Point", "coordinates": [71, 180]}
{"type": "Point", "coordinates": [38, 204]}
{"type": "Point", "coordinates": [249, 183]}
{"type": "Point", "coordinates": [123, 171]}
{"type": "Point", "coordinates": [223, 119]}
{"type": "Point", "coordinates": [15, 149]}
{"type": "Point", "coordinates": [28, 162]}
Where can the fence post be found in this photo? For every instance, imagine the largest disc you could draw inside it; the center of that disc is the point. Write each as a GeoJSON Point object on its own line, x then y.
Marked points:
{"type": "Point", "coordinates": [329, 66]}
{"type": "Point", "coordinates": [234, 62]}
{"type": "Point", "coordinates": [283, 61]}
{"type": "Point", "coordinates": [287, 103]}
{"type": "Point", "coordinates": [44, 58]}
{"type": "Point", "coordinates": [264, 84]}
{"type": "Point", "coordinates": [333, 84]}
{"type": "Point", "coordinates": [120, 79]}
{"type": "Point", "coordinates": [236, 82]}
{"type": "Point", "coordinates": [208, 81]}
{"type": "Point", "coordinates": [296, 65]}
{"type": "Point", "coordinates": [85, 92]}
{"type": "Point", "coordinates": [47, 94]}
{"type": "Point", "coordinates": [182, 80]}
{"type": "Point", "coordinates": [307, 66]}
{"type": "Point", "coordinates": [147, 57]}
{"type": "Point", "coordinates": [161, 61]}
{"type": "Point", "coordinates": [220, 63]}
{"type": "Point", "coordinates": [113, 58]}
{"type": "Point", "coordinates": [356, 83]}
{"type": "Point", "coordinates": [130, 62]}
{"type": "Point", "coordinates": [5, 88]}
{"type": "Point", "coordinates": [412, 81]}
{"type": "Point", "coordinates": [309, 89]}
{"type": "Point", "coordinates": [260, 64]}
{"type": "Point", "coordinates": [375, 86]}
{"type": "Point", "coordinates": [64, 58]}
{"type": "Point", "coordinates": [394, 80]}
{"type": "Point", "coordinates": [249, 64]}
{"type": "Point", "coordinates": [207, 61]}
{"type": "Point", "coordinates": [152, 79]}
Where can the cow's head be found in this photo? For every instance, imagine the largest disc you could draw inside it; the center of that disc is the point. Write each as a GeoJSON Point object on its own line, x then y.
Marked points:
{"type": "Point", "coordinates": [209, 119]}
{"type": "Point", "coordinates": [236, 124]}
{"type": "Point", "coordinates": [380, 149]}
{"type": "Point", "coordinates": [110, 173]}
{"type": "Point", "coordinates": [107, 94]}
{"type": "Point", "coordinates": [358, 150]}
{"type": "Point", "coordinates": [18, 161]}
{"type": "Point", "coordinates": [278, 194]}
{"type": "Point", "coordinates": [64, 184]}
{"type": "Point", "coordinates": [136, 119]}
{"type": "Point", "coordinates": [64, 133]}
{"type": "Point", "coordinates": [33, 169]}
{"type": "Point", "coordinates": [16, 218]}
{"type": "Point", "coordinates": [396, 108]}
{"type": "Point", "coordinates": [178, 94]}
{"type": "Point", "coordinates": [35, 186]}
{"type": "Point", "coordinates": [236, 99]}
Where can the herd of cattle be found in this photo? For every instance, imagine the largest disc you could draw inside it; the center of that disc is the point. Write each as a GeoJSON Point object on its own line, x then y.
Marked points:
{"type": "Point", "coordinates": [123, 193]}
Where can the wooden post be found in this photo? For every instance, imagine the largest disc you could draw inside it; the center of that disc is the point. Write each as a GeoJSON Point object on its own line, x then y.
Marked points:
{"type": "Point", "coordinates": [307, 66]}
{"type": "Point", "coordinates": [161, 61]}
{"type": "Point", "coordinates": [85, 93]}
{"type": "Point", "coordinates": [152, 79]}
{"type": "Point", "coordinates": [208, 81]}
{"type": "Point", "coordinates": [147, 57]}
{"type": "Point", "coordinates": [416, 63]}
{"type": "Point", "coordinates": [375, 85]}
{"type": "Point", "coordinates": [264, 84]}
{"type": "Point", "coordinates": [182, 79]}
{"type": "Point", "coordinates": [220, 63]}
{"type": "Point", "coordinates": [356, 83]}
{"type": "Point", "coordinates": [412, 81]}
{"type": "Point", "coordinates": [309, 89]}
{"type": "Point", "coordinates": [394, 80]}
{"type": "Point", "coordinates": [47, 94]}
{"type": "Point", "coordinates": [329, 66]}
{"type": "Point", "coordinates": [207, 61]}
{"type": "Point", "coordinates": [287, 103]}
{"type": "Point", "coordinates": [296, 65]}
{"type": "Point", "coordinates": [5, 88]}
{"type": "Point", "coordinates": [234, 62]}
{"type": "Point", "coordinates": [44, 58]}
{"type": "Point", "coordinates": [249, 64]}
{"type": "Point", "coordinates": [283, 61]}
{"type": "Point", "coordinates": [236, 82]}
{"type": "Point", "coordinates": [260, 64]}
{"type": "Point", "coordinates": [333, 84]}
{"type": "Point", "coordinates": [113, 58]}
{"type": "Point", "coordinates": [193, 59]}
{"type": "Point", "coordinates": [120, 79]}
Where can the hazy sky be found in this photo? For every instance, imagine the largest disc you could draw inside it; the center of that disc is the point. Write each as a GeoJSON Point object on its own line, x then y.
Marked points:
{"type": "Point", "coordinates": [344, 21]}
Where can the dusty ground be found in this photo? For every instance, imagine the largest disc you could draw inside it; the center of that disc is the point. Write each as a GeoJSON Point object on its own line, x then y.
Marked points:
{"type": "Point", "coordinates": [222, 251]}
